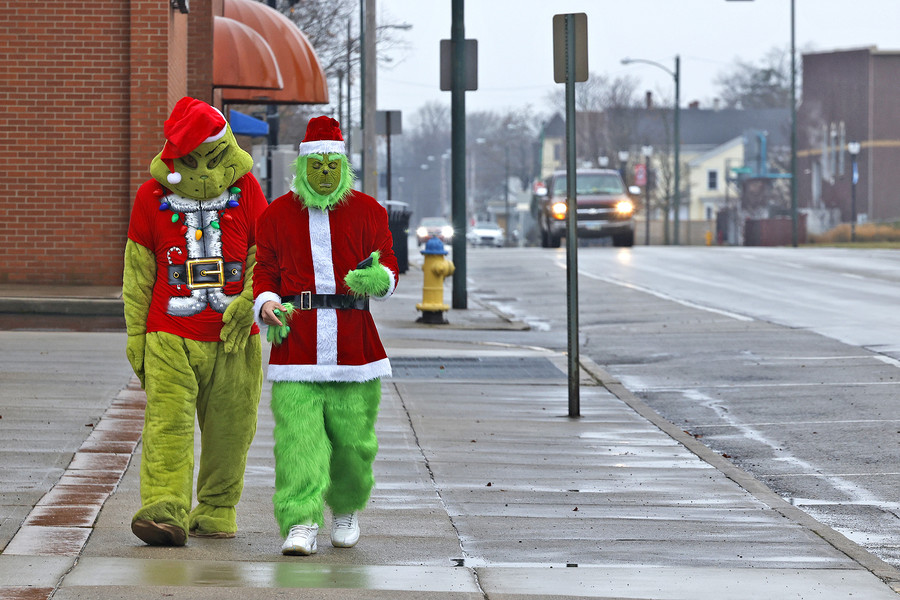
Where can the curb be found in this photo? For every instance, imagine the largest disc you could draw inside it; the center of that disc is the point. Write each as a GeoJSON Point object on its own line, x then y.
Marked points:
{"type": "Point", "coordinates": [884, 571]}
{"type": "Point", "coordinates": [89, 307]}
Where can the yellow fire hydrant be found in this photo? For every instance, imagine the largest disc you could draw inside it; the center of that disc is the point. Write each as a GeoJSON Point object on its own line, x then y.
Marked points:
{"type": "Point", "coordinates": [435, 269]}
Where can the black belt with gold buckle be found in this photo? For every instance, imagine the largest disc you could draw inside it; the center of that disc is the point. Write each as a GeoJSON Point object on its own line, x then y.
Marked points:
{"type": "Point", "coordinates": [199, 273]}
{"type": "Point", "coordinates": [309, 301]}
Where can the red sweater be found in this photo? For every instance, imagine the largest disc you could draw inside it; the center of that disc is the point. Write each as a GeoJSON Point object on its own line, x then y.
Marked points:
{"type": "Point", "coordinates": [194, 314]}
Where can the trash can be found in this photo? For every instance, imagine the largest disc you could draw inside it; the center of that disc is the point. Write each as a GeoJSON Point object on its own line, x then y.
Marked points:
{"type": "Point", "coordinates": [398, 223]}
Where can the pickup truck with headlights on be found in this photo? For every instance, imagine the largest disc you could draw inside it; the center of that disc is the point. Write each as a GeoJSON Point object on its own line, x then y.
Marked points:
{"type": "Point", "coordinates": [605, 208]}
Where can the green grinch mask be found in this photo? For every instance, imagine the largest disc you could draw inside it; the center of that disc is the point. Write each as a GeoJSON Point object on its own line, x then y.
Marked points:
{"type": "Point", "coordinates": [322, 181]}
{"type": "Point", "coordinates": [208, 171]}
{"type": "Point", "coordinates": [324, 175]}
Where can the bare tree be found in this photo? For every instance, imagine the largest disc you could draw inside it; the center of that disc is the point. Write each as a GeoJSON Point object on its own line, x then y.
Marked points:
{"type": "Point", "coordinates": [499, 144]}
{"type": "Point", "coordinates": [332, 28]}
{"type": "Point", "coordinates": [766, 84]}
{"type": "Point", "coordinates": [603, 125]}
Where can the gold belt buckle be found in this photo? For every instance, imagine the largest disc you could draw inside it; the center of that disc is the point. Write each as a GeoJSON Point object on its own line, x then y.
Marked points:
{"type": "Point", "coordinates": [216, 267]}
{"type": "Point", "coordinates": [305, 300]}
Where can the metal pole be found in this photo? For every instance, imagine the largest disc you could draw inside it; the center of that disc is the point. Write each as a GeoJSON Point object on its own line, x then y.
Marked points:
{"type": "Point", "coordinates": [272, 118]}
{"type": "Point", "coordinates": [794, 235]}
{"type": "Point", "coordinates": [647, 195]}
{"type": "Point", "coordinates": [340, 103]}
{"type": "Point", "coordinates": [370, 158]}
{"type": "Point", "coordinates": [853, 201]}
{"type": "Point", "coordinates": [348, 129]}
{"type": "Point", "coordinates": [387, 119]}
{"type": "Point", "coordinates": [458, 150]}
{"type": "Point", "coordinates": [572, 223]}
{"type": "Point", "coordinates": [506, 189]}
{"type": "Point", "coordinates": [677, 145]}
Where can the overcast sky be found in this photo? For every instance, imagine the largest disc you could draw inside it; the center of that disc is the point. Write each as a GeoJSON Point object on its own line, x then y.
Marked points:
{"type": "Point", "coordinates": [515, 43]}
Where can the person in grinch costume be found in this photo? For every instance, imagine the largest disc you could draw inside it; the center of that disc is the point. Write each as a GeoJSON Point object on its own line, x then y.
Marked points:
{"type": "Point", "coordinates": [192, 339]}
{"type": "Point", "coordinates": [323, 250]}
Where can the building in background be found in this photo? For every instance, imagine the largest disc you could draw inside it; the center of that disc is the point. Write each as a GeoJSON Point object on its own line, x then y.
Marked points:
{"type": "Point", "coordinates": [849, 96]}
{"type": "Point", "coordinates": [86, 87]}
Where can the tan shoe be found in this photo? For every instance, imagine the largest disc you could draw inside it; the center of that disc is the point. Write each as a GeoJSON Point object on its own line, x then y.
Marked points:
{"type": "Point", "coordinates": [158, 534]}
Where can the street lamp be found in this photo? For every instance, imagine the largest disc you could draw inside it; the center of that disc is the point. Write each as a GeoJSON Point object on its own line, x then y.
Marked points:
{"type": "Point", "coordinates": [676, 75]}
{"type": "Point", "coordinates": [853, 149]}
{"type": "Point", "coordinates": [647, 151]}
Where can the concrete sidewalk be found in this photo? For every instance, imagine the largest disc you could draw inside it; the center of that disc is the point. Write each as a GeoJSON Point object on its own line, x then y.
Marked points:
{"type": "Point", "coordinates": [485, 489]}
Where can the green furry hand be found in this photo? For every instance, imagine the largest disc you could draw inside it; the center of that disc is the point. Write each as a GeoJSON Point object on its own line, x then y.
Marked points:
{"type": "Point", "coordinates": [237, 321]}
{"type": "Point", "coordinates": [134, 350]}
{"type": "Point", "coordinates": [277, 333]}
{"type": "Point", "coordinates": [369, 281]}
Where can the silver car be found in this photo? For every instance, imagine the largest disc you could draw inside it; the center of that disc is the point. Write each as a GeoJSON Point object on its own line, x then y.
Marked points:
{"type": "Point", "coordinates": [484, 233]}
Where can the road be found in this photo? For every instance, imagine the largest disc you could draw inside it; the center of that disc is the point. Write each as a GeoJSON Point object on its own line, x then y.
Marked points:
{"type": "Point", "coordinates": [783, 360]}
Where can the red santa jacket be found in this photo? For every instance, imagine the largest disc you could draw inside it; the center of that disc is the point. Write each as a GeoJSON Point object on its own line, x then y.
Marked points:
{"type": "Point", "coordinates": [302, 249]}
{"type": "Point", "coordinates": [201, 249]}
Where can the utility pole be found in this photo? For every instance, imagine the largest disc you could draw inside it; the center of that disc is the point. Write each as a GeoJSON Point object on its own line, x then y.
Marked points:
{"type": "Point", "coordinates": [794, 227]}
{"type": "Point", "coordinates": [369, 66]}
{"type": "Point", "coordinates": [348, 127]}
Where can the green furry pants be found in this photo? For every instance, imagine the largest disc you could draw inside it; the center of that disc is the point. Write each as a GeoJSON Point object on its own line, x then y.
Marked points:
{"type": "Point", "coordinates": [325, 445]}
{"type": "Point", "coordinates": [184, 377]}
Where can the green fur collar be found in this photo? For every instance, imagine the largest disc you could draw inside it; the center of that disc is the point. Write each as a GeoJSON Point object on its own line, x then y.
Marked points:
{"type": "Point", "coordinates": [311, 197]}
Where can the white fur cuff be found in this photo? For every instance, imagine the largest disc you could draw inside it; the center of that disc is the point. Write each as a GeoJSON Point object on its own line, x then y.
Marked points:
{"type": "Point", "coordinates": [258, 303]}
{"type": "Point", "coordinates": [391, 286]}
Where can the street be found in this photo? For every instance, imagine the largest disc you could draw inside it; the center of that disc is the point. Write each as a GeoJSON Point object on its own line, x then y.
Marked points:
{"type": "Point", "coordinates": [783, 360]}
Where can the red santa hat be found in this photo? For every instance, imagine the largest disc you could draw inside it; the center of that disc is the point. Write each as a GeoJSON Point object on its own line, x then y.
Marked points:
{"type": "Point", "coordinates": [192, 122]}
{"type": "Point", "coordinates": [323, 136]}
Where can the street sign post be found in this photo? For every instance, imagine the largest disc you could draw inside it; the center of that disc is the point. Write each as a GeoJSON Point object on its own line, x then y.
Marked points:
{"type": "Point", "coordinates": [570, 65]}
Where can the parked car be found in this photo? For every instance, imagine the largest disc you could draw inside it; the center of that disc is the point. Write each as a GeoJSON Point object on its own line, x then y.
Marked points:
{"type": "Point", "coordinates": [431, 226]}
{"type": "Point", "coordinates": [605, 208]}
{"type": "Point", "coordinates": [485, 233]}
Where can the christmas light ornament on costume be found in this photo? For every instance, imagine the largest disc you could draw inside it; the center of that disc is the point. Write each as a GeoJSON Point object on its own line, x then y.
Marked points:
{"type": "Point", "coordinates": [324, 249]}
{"type": "Point", "coordinates": [192, 340]}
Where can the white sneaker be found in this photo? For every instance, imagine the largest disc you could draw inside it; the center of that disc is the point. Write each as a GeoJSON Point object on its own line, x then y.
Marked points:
{"type": "Point", "coordinates": [344, 530]}
{"type": "Point", "coordinates": [301, 540]}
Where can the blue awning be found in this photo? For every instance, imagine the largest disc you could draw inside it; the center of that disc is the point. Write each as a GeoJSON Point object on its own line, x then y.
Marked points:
{"type": "Point", "coordinates": [242, 124]}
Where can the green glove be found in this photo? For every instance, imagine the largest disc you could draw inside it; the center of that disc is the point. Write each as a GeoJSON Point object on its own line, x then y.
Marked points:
{"type": "Point", "coordinates": [237, 321]}
{"type": "Point", "coordinates": [134, 350]}
{"type": "Point", "coordinates": [369, 281]}
{"type": "Point", "coordinates": [277, 333]}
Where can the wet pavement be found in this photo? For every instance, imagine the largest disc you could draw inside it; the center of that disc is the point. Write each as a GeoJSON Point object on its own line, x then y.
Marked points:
{"type": "Point", "coordinates": [485, 488]}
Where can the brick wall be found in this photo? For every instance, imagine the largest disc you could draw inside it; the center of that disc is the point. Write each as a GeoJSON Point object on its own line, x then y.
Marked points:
{"type": "Point", "coordinates": [200, 51]}
{"type": "Point", "coordinates": [83, 93]}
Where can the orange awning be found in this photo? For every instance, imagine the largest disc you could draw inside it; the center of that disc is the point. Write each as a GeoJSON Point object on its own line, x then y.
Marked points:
{"type": "Point", "coordinates": [304, 81]}
{"type": "Point", "coordinates": [242, 58]}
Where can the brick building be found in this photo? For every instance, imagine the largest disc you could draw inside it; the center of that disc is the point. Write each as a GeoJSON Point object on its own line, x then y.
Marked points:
{"type": "Point", "coordinates": [849, 96]}
{"type": "Point", "coordinates": [85, 88]}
